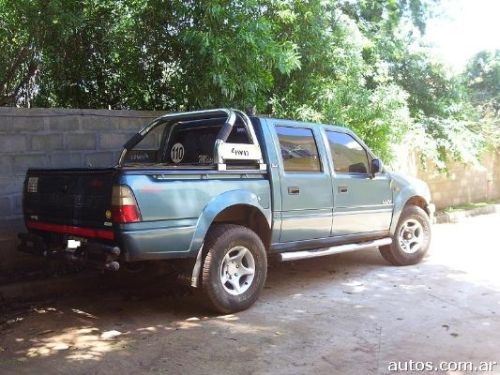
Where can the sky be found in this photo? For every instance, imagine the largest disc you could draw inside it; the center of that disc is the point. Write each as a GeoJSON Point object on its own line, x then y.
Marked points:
{"type": "Point", "coordinates": [461, 28]}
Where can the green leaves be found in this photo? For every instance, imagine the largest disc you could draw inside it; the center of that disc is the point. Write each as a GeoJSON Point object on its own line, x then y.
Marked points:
{"type": "Point", "coordinates": [353, 63]}
{"type": "Point", "coordinates": [483, 78]}
{"type": "Point", "coordinates": [288, 58]}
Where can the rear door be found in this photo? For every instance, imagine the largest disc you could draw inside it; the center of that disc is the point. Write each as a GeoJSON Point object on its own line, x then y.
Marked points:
{"type": "Point", "coordinates": [306, 185]}
{"type": "Point", "coordinates": [362, 203]}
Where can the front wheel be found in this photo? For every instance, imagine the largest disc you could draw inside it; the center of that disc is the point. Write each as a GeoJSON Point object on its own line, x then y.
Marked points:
{"type": "Point", "coordinates": [411, 239]}
{"type": "Point", "coordinates": [234, 268]}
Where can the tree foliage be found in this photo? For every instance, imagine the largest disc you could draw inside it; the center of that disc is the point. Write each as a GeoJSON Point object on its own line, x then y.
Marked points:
{"type": "Point", "coordinates": [335, 61]}
{"type": "Point", "coordinates": [482, 78]}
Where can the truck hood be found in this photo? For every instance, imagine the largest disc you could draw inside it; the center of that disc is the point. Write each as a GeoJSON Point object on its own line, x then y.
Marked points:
{"type": "Point", "coordinates": [402, 181]}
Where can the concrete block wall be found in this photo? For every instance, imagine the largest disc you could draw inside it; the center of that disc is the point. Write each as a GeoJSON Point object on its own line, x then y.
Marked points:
{"type": "Point", "coordinates": [53, 138]}
{"type": "Point", "coordinates": [464, 183]}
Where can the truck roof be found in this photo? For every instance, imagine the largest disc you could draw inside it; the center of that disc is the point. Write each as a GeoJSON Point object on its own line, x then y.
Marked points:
{"type": "Point", "coordinates": [338, 128]}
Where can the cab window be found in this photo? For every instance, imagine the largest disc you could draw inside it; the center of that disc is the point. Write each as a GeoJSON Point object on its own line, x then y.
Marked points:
{"type": "Point", "coordinates": [347, 154]}
{"type": "Point", "coordinates": [185, 143]}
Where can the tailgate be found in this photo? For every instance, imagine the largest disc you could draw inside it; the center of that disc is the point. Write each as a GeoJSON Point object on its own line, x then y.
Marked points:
{"type": "Point", "coordinates": [74, 197]}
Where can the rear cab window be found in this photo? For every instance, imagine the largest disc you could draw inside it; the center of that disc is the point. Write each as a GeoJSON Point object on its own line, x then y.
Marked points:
{"type": "Point", "coordinates": [189, 143]}
{"type": "Point", "coordinates": [299, 151]}
{"type": "Point", "coordinates": [348, 155]}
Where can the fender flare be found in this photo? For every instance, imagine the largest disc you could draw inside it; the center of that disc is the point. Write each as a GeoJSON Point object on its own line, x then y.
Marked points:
{"type": "Point", "coordinates": [400, 202]}
{"type": "Point", "coordinates": [210, 212]}
{"type": "Point", "coordinates": [219, 204]}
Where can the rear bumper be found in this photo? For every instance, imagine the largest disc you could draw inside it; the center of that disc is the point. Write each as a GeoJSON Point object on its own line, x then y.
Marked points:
{"type": "Point", "coordinates": [141, 241]}
{"type": "Point", "coordinates": [92, 253]}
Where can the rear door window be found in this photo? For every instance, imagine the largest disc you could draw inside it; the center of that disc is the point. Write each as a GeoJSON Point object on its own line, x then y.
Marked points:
{"type": "Point", "coordinates": [298, 149]}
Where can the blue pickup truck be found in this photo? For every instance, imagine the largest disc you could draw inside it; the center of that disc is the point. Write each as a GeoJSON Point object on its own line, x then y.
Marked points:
{"type": "Point", "coordinates": [217, 192]}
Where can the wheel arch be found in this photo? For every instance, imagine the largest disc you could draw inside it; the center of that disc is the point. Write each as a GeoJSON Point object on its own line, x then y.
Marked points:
{"type": "Point", "coordinates": [418, 201]}
{"type": "Point", "coordinates": [408, 199]}
{"type": "Point", "coordinates": [247, 216]}
{"type": "Point", "coordinates": [240, 207]}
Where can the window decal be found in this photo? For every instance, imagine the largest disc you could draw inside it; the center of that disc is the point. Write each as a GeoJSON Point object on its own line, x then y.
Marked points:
{"type": "Point", "coordinates": [177, 153]}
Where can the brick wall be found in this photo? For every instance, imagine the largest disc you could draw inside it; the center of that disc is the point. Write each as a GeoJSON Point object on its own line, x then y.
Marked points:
{"type": "Point", "coordinates": [53, 138]}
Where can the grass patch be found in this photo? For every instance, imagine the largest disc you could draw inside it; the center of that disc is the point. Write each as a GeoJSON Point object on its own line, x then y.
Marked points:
{"type": "Point", "coordinates": [469, 206]}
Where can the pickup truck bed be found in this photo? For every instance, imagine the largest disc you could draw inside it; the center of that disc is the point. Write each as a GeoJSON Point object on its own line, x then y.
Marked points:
{"type": "Point", "coordinates": [223, 192]}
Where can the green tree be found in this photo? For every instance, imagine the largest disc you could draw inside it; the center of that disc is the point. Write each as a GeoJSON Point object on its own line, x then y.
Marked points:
{"type": "Point", "coordinates": [160, 54]}
{"type": "Point", "coordinates": [335, 61]}
{"type": "Point", "coordinates": [20, 52]}
{"type": "Point", "coordinates": [483, 79]}
{"type": "Point", "coordinates": [344, 76]}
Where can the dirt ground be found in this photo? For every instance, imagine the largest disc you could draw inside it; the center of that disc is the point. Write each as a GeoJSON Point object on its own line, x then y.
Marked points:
{"type": "Point", "coordinates": [346, 314]}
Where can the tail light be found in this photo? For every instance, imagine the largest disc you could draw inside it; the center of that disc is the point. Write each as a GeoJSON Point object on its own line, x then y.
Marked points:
{"type": "Point", "coordinates": [124, 207]}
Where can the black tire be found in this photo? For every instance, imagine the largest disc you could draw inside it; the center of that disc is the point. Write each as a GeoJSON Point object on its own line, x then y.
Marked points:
{"type": "Point", "coordinates": [394, 253]}
{"type": "Point", "coordinates": [219, 242]}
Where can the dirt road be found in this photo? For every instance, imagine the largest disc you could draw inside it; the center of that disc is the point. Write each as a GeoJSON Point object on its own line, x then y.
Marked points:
{"type": "Point", "coordinates": [348, 314]}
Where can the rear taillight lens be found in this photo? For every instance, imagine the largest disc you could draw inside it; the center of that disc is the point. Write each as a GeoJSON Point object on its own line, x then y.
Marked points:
{"type": "Point", "coordinates": [124, 207]}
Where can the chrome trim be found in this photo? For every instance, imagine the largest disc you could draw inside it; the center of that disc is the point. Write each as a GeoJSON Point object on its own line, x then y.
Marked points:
{"type": "Point", "coordinates": [357, 212]}
{"type": "Point", "coordinates": [295, 255]}
{"type": "Point", "coordinates": [385, 206]}
{"type": "Point", "coordinates": [327, 242]}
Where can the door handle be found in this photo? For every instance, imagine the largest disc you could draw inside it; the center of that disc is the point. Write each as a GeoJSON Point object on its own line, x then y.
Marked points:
{"type": "Point", "coordinates": [293, 190]}
{"type": "Point", "coordinates": [343, 189]}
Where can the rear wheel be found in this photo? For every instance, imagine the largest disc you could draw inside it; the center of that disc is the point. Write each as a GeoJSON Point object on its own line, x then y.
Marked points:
{"type": "Point", "coordinates": [234, 269]}
{"type": "Point", "coordinates": [411, 239]}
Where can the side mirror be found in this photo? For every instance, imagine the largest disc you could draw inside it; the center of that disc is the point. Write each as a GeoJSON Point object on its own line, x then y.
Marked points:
{"type": "Point", "coordinates": [376, 166]}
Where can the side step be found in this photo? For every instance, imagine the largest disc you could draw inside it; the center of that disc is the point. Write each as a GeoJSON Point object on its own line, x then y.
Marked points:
{"type": "Point", "coordinates": [295, 255]}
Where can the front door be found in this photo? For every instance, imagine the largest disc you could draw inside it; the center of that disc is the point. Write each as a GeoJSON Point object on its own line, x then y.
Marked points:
{"type": "Point", "coordinates": [306, 186]}
{"type": "Point", "coordinates": [362, 203]}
